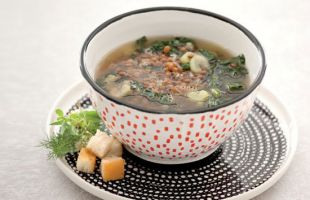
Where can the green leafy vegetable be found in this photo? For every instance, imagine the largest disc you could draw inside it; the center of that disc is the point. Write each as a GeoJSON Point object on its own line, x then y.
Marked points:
{"type": "Point", "coordinates": [234, 67]}
{"type": "Point", "coordinates": [216, 92]}
{"type": "Point", "coordinates": [213, 80]}
{"type": "Point", "coordinates": [140, 43]}
{"type": "Point", "coordinates": [182, 40]}
{"type": "Point", "coordinates": [161, 98]}
{"type": "Point", "coordinates": [158, 46]}
{"type": "Point", "coordinates": [185, 66]}
{"type": "Point", "coordinates": [235, 87]}
{"type": "Point", "coordinates": [74, 133]}
{"type": "Point", "coordinates": [212, 57]}
{"type": "Point", "coordinates": [175, 43]}
{"type": "Point", "coordinates": [238, 60]}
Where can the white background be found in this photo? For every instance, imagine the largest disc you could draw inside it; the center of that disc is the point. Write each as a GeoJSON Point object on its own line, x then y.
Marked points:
{"type": "Point", "coordinates": [40, 43]}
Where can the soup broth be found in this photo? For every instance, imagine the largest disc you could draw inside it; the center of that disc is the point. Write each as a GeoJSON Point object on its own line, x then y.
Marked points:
{"type": "Point", "coordinates": [172, 74]}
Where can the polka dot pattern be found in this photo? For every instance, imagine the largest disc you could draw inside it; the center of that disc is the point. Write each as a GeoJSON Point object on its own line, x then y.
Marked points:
{"type": "Point", "coordinates": [245, 161]}
{"type": "Point", "coordinates": [186, 132]}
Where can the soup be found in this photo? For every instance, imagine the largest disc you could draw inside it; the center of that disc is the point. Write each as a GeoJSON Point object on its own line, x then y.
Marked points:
{"type": "Point", "coordinates": [172, 74]}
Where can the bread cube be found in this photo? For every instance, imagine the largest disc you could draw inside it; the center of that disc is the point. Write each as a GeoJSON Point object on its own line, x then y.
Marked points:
{"type": "Point", "coordinates": [112, 168]}
{"type": "Point", "coordinates": [116, 149]}
{"type": "Point", "coordinates": [86, 161]}
{"type": "Point", "coordinates": [100, 143]}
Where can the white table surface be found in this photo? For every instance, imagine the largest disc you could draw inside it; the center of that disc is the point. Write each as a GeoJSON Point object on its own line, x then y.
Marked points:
{"type": "Point", "coordinates": [40, 43]}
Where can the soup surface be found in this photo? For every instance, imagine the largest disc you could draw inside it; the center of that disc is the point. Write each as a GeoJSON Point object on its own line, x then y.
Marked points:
{"type": "Point", "coordinates": [172, 75]}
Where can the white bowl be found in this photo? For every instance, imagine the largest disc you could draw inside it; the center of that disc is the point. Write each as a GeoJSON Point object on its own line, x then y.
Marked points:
{"type": "Point", "coordinates": [172, 138]}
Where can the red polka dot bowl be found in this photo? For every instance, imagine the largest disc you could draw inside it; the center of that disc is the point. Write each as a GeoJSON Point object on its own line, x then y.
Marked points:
{"type": "Point", "coordinates": [172, 138]}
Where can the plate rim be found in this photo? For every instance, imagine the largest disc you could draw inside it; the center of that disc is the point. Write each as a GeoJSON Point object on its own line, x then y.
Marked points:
{"type": "Point", "coordinates": [291, 137]}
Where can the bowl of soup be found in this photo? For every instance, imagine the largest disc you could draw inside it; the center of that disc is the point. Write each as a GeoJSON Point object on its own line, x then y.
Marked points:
{"type": "Point", "coordinates": [172, 84]}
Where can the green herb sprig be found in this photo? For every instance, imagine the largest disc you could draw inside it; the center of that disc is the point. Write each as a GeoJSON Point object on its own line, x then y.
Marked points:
{"type": "Point", "coordinates": [74, 132]}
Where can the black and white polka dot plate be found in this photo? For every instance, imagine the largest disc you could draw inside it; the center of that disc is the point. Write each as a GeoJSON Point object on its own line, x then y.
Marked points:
{"type": "Point", "coordinates": [244, 166]}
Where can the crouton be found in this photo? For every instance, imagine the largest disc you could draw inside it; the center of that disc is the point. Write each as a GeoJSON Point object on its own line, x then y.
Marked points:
{"type": "Point", "coordinates": [100, 144]}
{"type": "Point", "coordinates": [116, 149]}
{"type": "Point", "coordinates": [112, 168]}
{"type": "Point", "coordinates": [86, 161]}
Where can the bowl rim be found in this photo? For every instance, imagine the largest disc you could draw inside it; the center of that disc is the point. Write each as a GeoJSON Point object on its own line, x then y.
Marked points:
{"type": "Point", "coordinates": [250, 36]}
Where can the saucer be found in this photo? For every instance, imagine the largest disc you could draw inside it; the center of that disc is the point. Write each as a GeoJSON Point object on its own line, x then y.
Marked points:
{"type": "Point", "coordinates": [247, 164]}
